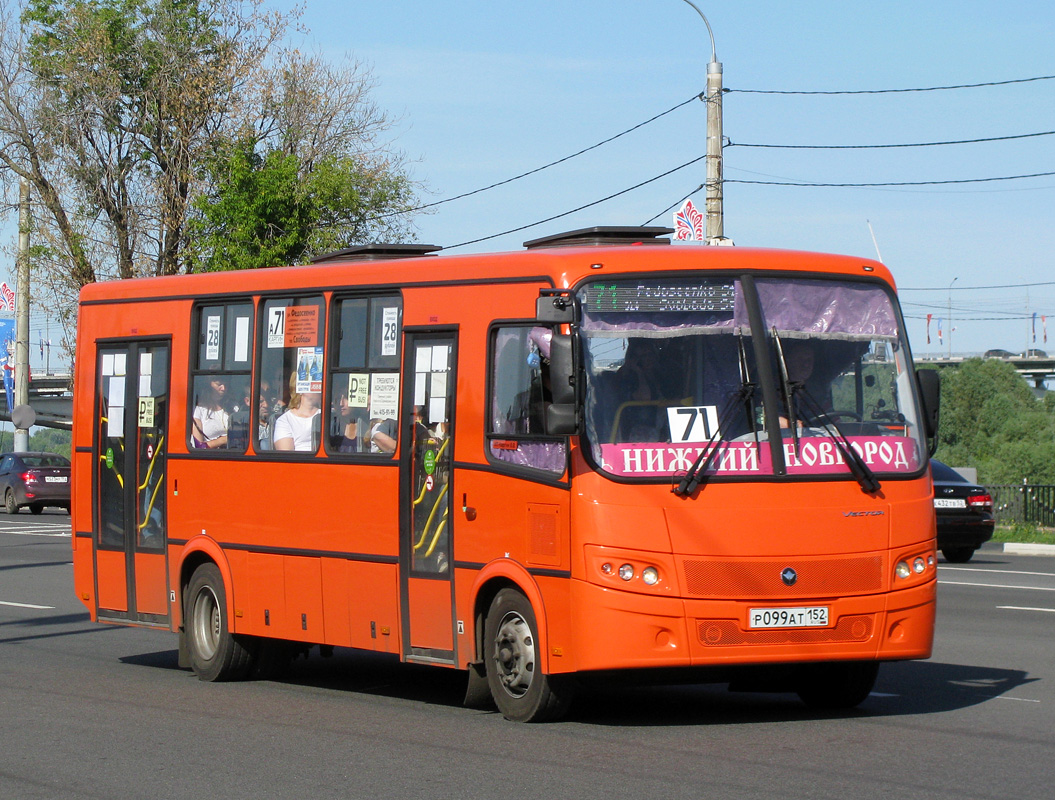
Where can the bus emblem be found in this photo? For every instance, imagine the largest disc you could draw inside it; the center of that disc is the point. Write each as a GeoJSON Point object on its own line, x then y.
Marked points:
{"type": "Point", "coordinates": [789, 576]}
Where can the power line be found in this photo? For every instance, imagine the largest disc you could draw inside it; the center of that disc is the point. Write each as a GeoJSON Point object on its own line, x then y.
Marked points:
{"type": "Point", "coordinates": [538, 169]}
{"type": "Point", "coordinates": [973, 288]}
{"type": "Point", "coordinates": [672, 206]}
{"type": "Point", "coordinates": [888, 146]}
{"type": "Point", "coordinates": [896, 91]}
{"type": "Point", "coordinates": [892, 183]}
{"type": "Point", "coordinates": [580, 208]}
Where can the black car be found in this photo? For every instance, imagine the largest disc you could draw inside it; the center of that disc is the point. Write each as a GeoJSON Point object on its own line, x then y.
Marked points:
{"type": "Point", "coordinates": [35, 480]}
{"type": "Point", "coordinates": [964, 511]}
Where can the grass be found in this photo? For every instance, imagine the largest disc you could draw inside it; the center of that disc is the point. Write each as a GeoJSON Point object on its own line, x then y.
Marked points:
{"type": "Point", "coordinates": [1024, 533]}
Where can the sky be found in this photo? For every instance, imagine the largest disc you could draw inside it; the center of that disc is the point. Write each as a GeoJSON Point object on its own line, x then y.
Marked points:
{"type": "Point", "coordinates": [482, 92]}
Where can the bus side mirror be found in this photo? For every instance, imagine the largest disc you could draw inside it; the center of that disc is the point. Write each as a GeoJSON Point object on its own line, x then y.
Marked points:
{"type": "Point", "coordinates": [562, 419]}
{"type": "Point", "coordinates": [930, 398]}
{"type": "Point", "coordinates": [555, 306]}
{"type": "Point", "coordinates": [562, 414]}
{"type": "Point", "coordinates": [561, 368]}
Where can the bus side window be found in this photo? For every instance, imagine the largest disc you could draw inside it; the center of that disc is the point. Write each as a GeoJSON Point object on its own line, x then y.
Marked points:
{"type": "Point", "coordinates": [363, 414]}
{"type": "Point", "coordinates": [519, 392]}
{"type": "Point", "coordinates": [219, 416]}
{"type": "Point", "coordinates": [288, 390]}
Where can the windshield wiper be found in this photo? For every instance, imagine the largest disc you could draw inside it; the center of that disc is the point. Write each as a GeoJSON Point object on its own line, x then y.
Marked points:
{"type": "Point", "coordinates": [790, 389]}
{"type": "Point", "coordinates": [691, 479]}
{"type": "Point", "coordinates": [861, 471]}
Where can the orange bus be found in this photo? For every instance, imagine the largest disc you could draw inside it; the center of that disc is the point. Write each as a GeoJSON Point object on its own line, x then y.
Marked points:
{"type": "Point", "coordinates": [601, 455]}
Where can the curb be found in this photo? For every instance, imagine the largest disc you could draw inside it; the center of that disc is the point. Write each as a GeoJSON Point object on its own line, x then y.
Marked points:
{"type": "Point", "coordinates": [1030, 549]}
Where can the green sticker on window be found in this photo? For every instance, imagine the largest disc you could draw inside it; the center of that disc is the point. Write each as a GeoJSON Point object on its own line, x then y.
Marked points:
{"type": "Point", "coordinates": [109, 458]}
{"type": "Point", "coordinates": [430, 461]}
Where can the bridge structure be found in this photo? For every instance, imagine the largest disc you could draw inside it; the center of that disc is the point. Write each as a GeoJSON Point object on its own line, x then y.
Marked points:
{"type": "Point", "coordinates": [51, 397]}
{"type": "Point", "coordinates": [1036, 368]}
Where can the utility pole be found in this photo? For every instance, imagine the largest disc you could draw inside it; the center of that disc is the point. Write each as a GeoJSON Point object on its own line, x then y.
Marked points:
{"type": "Point", "coordinates": [715, 215]}
{"type": "Point", "coordinates": [21, 443]}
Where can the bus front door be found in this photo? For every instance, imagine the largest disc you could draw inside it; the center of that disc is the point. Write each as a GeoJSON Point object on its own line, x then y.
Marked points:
{"type": "Point", "coordinates": [426, 459]}
{"type": "Point", "coordinates": [128, 490]}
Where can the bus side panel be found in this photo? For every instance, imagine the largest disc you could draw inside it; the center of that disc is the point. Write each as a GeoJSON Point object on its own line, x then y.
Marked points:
{"type": "Point", "coordinates": [303, 588]}
{"type": "Point", "coordinates": [84, 572]}
{"type": "Point", "coordinates": [266, 596]}
{"type": "Point", "coordinates": [371, 596]}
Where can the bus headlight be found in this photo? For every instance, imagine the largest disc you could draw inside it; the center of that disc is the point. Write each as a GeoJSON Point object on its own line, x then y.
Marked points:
{"type": "Point", "coordinates": [902, 570]}
{"type": "Point", "coordinates": [650, 575]}
{"type": "Point", "coordinates": [626, 572]}
{"type": "Point", "coordinates": [919, 565]}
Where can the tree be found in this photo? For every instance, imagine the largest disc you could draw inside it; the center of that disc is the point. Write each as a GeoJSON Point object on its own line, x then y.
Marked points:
{"type": "Point", "coordinates": [991, 419]}
{"type": "Point", "coordinates": [122, 114]}
{"type": "Point", "coordinates": [306, 176]}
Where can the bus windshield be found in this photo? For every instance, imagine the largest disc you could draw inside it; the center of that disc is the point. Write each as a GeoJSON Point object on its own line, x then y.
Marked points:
{"type": "Point", "coordinates": [677, 378]}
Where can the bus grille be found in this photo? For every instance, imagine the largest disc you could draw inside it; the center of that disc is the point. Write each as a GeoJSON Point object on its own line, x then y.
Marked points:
{"type": "Point", "coordinates": [727, 632]}
{"type": "Point", "coordinates": [759, 580]}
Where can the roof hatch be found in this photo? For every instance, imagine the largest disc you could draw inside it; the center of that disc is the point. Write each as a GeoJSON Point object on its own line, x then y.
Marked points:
{"type": "Point", "coordinates": [378, 252]}
{"type": "Point", "coordinates": [603, 235]}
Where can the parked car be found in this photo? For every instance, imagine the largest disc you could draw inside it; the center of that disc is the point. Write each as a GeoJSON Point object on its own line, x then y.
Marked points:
{"type": "Point", "coordinates": [964, 511]}
{"type": "Point", "coordinates": [35, 480]}
{"type": "Point", "coordinates": [998, 354]}
{"type": "Point", "coordinates": [1034, 354]}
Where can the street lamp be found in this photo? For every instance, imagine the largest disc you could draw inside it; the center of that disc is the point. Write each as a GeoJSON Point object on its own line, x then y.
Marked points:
{"type": "Point", "coordinates": [713, 98]}
{"type": "Point", "coordinates": [949, 316]}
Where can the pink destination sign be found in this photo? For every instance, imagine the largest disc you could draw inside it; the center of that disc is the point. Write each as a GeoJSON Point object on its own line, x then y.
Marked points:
{"type": "Point", "coordinates": [813, 456]}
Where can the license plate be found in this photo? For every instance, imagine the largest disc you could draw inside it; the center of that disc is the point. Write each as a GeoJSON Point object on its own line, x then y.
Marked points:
{"type": "Point", "coordinates": [950, 502]}
{"type": "Point", "coordinates": [800, 617]}
{"type": "Point", "coordinates": [54, 479]}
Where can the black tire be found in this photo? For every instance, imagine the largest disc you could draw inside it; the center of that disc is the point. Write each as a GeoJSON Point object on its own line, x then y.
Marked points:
{"type": "Point", "coordinates": [838, 686]}
{"type": "Point", "coordinates": [522, 692]}
{"type": "Point", "coordinates": [37, 508]}
{"type": "Point", "coordinates": [9, 502]}
{"type": "Point", "coordinates": [957, 555]}
{"type": "Point", "coordinates": [215, 653]}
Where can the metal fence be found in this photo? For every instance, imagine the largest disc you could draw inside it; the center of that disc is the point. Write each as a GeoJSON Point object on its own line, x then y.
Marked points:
{"type": "Point", "coordinates": [1034, 503]}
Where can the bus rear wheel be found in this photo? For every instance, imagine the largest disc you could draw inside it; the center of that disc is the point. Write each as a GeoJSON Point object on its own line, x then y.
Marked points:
{"type": "Point", "coordinates": [522, 692]}
{"type": "Point", "coordinates": [215, 653]}
{"type": "Point", "coordinates": [838, 686]}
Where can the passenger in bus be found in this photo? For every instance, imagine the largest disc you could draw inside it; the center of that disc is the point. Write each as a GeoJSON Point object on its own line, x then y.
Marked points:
{"type": "Point", "coordinates": [297, 427]}
{"type": "Point", "coordinates": [269, 404]}
{"type": "Point", "coordinates": [382, 436]}
{"type": "Point", "coordinates": [347, 428]}
{"type": "Point", "coordinates": [651, 378]}
{"type": "Point", "coordinates": [210, 420]}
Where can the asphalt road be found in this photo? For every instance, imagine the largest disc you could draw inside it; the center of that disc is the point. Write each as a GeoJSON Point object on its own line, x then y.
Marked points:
{"type": "Point", "coordinates": [92, 711]}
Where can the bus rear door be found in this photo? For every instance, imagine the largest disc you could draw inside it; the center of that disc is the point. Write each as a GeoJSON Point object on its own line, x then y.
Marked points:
{"type": "Point", "coordinates": [128, 490]}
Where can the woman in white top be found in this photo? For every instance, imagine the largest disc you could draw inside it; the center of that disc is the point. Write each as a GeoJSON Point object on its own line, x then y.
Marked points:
{"type": "Point", "coordinates": [210, 419]}
{"type": "Point", "coordinates": [293, 430]}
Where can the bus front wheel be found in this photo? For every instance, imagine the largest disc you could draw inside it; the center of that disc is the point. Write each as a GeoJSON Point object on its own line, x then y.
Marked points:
{"type": "Point", "coordinates": [215, 653]}
{"type": "Point", "coordinates": [838, 686]}
{"type": "Point", "coordinates": [522, 692]}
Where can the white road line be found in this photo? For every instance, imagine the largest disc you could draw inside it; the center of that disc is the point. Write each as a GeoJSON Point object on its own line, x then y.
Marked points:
{"type": "Point", "coordinates": [59, 534]}
{"type": "Point", "coordinates": [998, 586]}
{"type": "Point", "coordinates": [943, 568]}
{"type": "Point", "coordinates": [25, 605]}
{"type": "Point", "coordinates": [1016, 699]}
{"type": "Point", "coordinates": [1026, 608]}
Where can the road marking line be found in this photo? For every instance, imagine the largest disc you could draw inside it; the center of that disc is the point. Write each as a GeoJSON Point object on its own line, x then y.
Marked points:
{"type": "Point", "coordinates": [1016, 699]}
{"type": "Point", "coordinates": [25, 605]}
{"type": "Point", "coordinates": [1026, 608]}
{"type": "Point", "coordinates": [1000, 586]}
{"type": "Point", "coordinates": [58, 535]}
{"type": "Point", "coordinates": [943, 568]}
